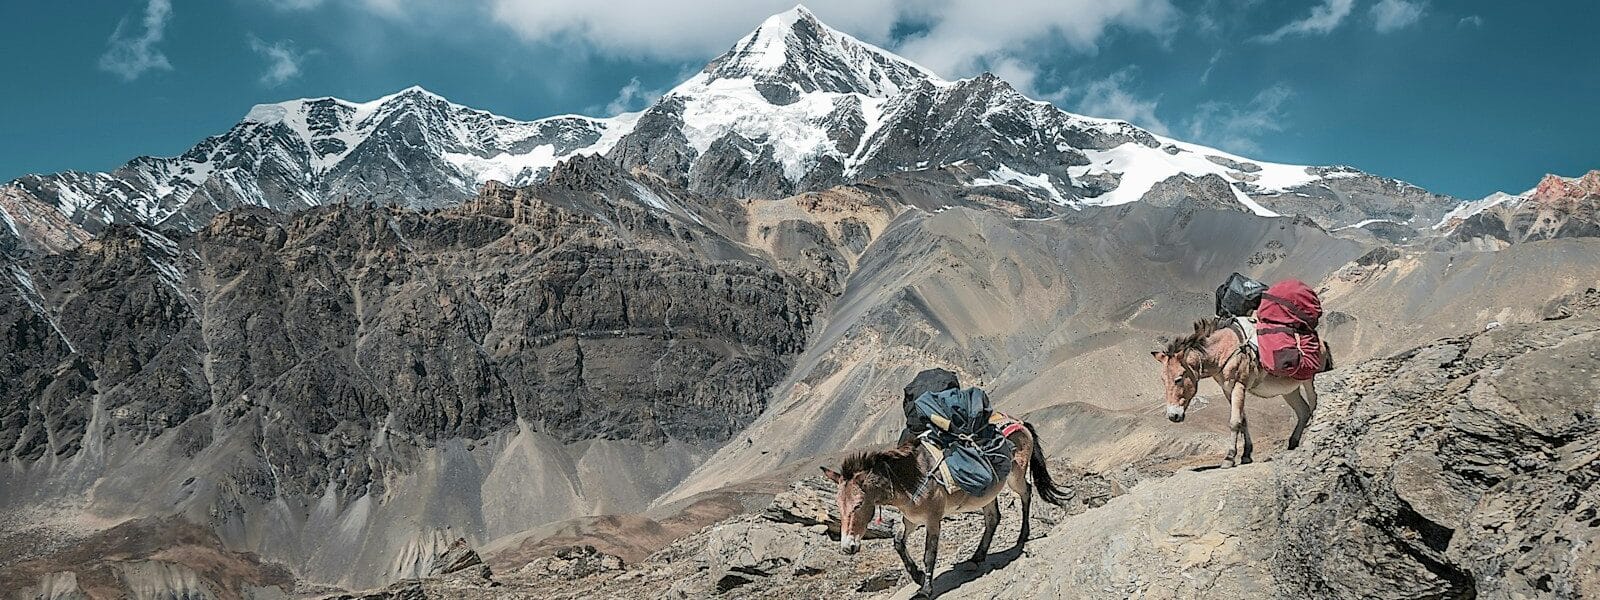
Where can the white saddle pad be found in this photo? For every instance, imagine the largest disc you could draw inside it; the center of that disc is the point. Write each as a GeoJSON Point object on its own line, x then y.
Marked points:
{"type": "Point", "coordinates": [1248, 326]}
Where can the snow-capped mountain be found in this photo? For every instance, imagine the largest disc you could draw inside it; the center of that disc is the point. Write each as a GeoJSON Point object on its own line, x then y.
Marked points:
{"type": "Point", "coordinates": [793, 106]}
{"type": "Point", "coordinates": [412, 147]}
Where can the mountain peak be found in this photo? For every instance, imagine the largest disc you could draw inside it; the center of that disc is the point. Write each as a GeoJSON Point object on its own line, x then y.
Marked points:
{"type": "Point", "coordinates": [795, 50]}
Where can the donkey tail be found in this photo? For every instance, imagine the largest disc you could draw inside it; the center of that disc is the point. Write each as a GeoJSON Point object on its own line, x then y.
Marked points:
{"type": "Point", "coordinates": [1042, 482]}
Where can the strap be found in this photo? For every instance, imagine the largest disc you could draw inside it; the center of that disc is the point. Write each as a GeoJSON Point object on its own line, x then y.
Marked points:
{"type": "Point", "coordinates": [1280, 329]}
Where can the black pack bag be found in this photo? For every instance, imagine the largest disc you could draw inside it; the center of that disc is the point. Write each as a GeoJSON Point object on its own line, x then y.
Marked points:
{"type": "Point", "coordinates": [930, 381]}
{"type": "Point", "coordinates": [1239, 296]}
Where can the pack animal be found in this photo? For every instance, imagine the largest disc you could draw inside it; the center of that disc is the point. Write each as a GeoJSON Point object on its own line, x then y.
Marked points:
{"type": "Point", "coordinates": [905, 477]}
{"type": "Point", "coordinates": [1218, 350]}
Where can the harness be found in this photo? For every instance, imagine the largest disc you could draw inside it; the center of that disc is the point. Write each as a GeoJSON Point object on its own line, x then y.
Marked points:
{"type": "Point", "coordinates": [986, 445]}
{"type": "Point", "coordinates": [1244, 347]}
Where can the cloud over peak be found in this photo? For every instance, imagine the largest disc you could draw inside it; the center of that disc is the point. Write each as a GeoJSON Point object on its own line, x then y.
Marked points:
{"type": "Point", "coordinates": [283, 60]}
{"type": "Point", "coordinates": [129, 54]}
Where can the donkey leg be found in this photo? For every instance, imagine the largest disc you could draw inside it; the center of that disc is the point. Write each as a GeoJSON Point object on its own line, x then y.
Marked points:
{"type": "Point", "coordinates": [906, 526]}
{"type": "Point", "coordinates": [1249, 447]}
{"type": "Point", "coordinates": [991, 521]}
{"type": "Point", "coordinates": [1235, 422]}
{"type": "Point", "coordinates": [930, 556]}
{"type": "Point", "coordinates": [1026, 493]}
{"type": "Point", "coordinates": [1309, 392]}
{"type": "Point", "coordinates": [1302, 415]}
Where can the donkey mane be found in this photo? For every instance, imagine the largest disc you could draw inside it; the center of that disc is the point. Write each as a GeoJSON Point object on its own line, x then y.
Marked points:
{"type": "Point", "coordinates": [1197, 340]}
{"type": "Point", "coordinates": [896, 465]}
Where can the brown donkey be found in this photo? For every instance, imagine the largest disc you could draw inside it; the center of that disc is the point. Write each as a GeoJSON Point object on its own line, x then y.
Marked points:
{"type": "Point", "coordinates": [904, 477]}
{"type": "Point", "coordinates": [1218, 350]}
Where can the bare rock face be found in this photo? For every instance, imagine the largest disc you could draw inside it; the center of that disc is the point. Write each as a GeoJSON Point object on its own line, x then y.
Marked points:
{"type": "Point", "coordinates": [442, 325]}
{"type": "Point", "coordinates": [576, 562]}
{"type": "Point", "coordinates": [458, 557]}
{"type": "Point", "coordinates": [1464, 468]}
{"type": "Point", "coordinates": [1209, 191]}
{"type": "Point", "coordinates": [1345, 196]}
{"type": "Point", "coordinates": [320, 359]}
{"type": "Point", "coordinates": [1558, 207]}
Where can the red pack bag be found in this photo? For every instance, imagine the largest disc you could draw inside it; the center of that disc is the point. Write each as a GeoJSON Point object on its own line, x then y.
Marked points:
{"type": "Point", "coordinates": [1291, 303]}
{"type": "Point", "coordinates": [1287, 330]}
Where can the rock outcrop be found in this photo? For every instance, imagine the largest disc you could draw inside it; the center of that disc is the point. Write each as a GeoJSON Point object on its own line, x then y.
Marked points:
{"type": "Point", "coordinates": [580, 343]}
{"type": "Point", "coordinates": [1559, 207]}
{"type": "Point", "coordinates": [1461, 469]}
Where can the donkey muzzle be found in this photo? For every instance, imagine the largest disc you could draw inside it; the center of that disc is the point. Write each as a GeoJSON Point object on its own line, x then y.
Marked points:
{"type": "Point", "coordinates": [1175, 413]}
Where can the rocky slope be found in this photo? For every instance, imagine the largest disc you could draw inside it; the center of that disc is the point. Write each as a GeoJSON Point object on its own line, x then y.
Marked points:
{"type": "Point", "coordinates": [1056, 318]}
{"type": "Point", "coordinates": [1462, 468]}
{"type": "Point", "coordinates": [795, 106]}
{"type": "Point", "coordinates": [408, 378]}
{"type": "Point", "coordinates": [530, 356]}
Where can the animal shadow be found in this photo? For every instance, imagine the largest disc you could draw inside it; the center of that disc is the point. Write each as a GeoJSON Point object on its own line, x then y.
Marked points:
{"type": "Point", "coordinates": [966, 572]}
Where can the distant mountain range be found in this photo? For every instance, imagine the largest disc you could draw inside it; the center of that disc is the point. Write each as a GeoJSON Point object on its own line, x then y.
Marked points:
{"type": "Point", "coordinates": [794, 106]}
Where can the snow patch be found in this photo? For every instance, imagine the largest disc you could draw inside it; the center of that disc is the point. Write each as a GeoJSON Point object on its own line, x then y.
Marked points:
{"type": "Point", "coordinates": [30, 294]}
{"type": "Point", "coordinates": [717, 107]}
{"type": "Point", "coordinates": [1010, 177]}
{"type": "Point", "coordinates": [10, 224]}
{"type": "Point", "coordinates": [1468, 209]}
{"type": "Point", "coordinates": [512, 169]}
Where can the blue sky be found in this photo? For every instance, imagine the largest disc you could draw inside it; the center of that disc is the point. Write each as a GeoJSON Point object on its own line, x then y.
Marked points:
{"type": "Point", "coordinates": [1463, 97]}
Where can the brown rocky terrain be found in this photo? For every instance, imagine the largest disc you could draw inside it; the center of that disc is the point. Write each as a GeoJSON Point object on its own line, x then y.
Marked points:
{"type": "Point", "coordinates": [404, 378]}
{"type": "Point", "coordinates": [1461, 468]}
{"type": "Point", "coordinates": [535, 355]}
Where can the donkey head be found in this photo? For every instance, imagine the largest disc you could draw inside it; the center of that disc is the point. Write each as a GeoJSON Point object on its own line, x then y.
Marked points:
{"type": "Point", "coordinates": [1182, 380]}
{"type": "Point", "coordinates": [858, 500]}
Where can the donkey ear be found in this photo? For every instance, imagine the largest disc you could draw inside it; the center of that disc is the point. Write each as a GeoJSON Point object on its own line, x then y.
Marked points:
{"type": "Point", "coordinates": [832, 475]}
{"type": "Point", "coordinates": [1160, 356]}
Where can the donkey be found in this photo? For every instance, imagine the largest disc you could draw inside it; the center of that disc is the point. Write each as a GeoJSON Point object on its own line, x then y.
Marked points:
{"type": "Point", "coordinates": [1219, 351]}
{"type": "Point", "coordinates": [904, 477]}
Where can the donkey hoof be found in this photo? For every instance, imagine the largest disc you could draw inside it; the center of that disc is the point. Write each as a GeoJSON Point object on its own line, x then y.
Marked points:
{"type": "Point", "coordinates": [1227, 464]}
{"type": "Point", "coordinates": [1246, 460]}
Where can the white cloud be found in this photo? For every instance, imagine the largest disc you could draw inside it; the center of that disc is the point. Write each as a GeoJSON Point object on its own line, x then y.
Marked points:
{"type": "Point", "coordinates": [631, 97]}
{"type": "Point", "coordinates": [294, 4]}
{"type": "Point", "coordinates": [693, 29]}
{"type": "Point", "coordinates": [1235, 128]}
{"type": "Point", "coordinates": [128, 55]}
{"type": "Point", "coordinates": [1110, 98]}
{"type": "Point", "coordinates": [283, 61]}
{"type": "Point", "coordinates": [965, 36]}
{"type": "Point", "coordinates": [1470, 21]}
{"type": "Point", "coordinates": [1210, 64]}
{"type": "Point", "coordinates": [1324, 18]}
{"type": "Point", "coordinates": [1391, 15]}
{"type": "Point", "coordinates": [955, 38]}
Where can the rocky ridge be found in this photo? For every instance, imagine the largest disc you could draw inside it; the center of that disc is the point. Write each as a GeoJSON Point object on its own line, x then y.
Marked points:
{"type": "Point", "coordinates": [343, 363]}
{"type": "Point", "coordinates": [1559, 207]}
